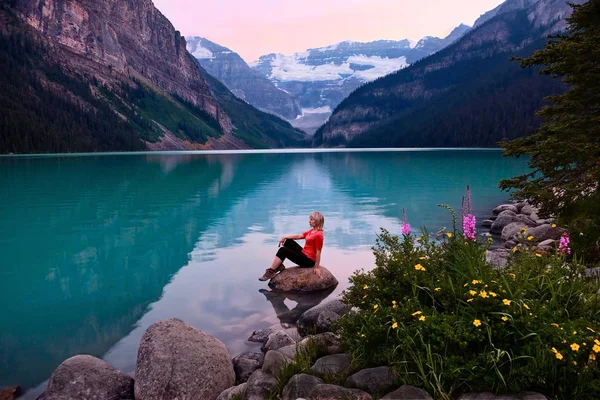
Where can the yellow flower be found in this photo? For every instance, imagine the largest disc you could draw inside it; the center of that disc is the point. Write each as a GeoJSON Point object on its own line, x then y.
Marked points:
{"type": "Point", "coordinates": [538, 255]}
{"type": "Point", "coordinates": [592, 357]}
{"type": "Point", "coordinates": [514, 250]}
{"type": "Point", "coordinates": [580, 233]}
{"type": "Point", "coordinates": [363, 335]}
{"type": "Point", "coordinates": [450, 235]}
{"type": "Point", "coordinates": [530, 237]}
{"type": "Point", "coordinates": [366, 287]}
{"type": "Point", "coordinates": [554, 350]}
{"type": "Point", "coordinates": [505, 318]}
{"type": "Point", "coordinates": [419, 239]}
{"type": "Point", "coordinates": [554, 225]}
{"type": "Point", "coordinates": [513, 275]}
{"type": "Point", "coordinates": [523, 230]}
{"type": "Point", "coordinates": [493, 294]}
{"type": "Point", "coordinates": [574, 362]}
{"type": "Point", "coordinates": [554, 324]}
{"type": "Point", "coordinates": [477, 322]}
{"type": "Point", "coordinates": [437, 289]}
{"type": "Point", "coordinates": [559, 356]}
{"type": "Point", "coordinates": [473, 292]}
{"type": "Point", "coordinates": [590, 329]}
{"type": "Point", "coordinates": [422, 318]}
{"type": "Point", "coordinates": [394, 325]}
{"type": "Point", "coordinates": [475, 282]}
{"type": "Point", "coordinates": [596, 348]}
{"type": "Point", "coordinates": [483, 294]}
{"type": "Point", "coordinates": [526, 306]}
{"type": "Point", "coordinates": [465, 285]}
{"type": "Point", "coordinates": [365, 296]}
{"type": "Point", "coordinates": [469, 300]}
{"type": "Point", "coordinates": [490, 240]}
{"type": "Point", "coordinates": [417, 313]}
{"type": "Point", "coordinates": [394, 302]}
{"type": "Point", "coordinates": [419, 267]}
{"type": "Point", "coordinates": [506, 302]}
{"type": "Point", "coordinates": [597, 342]}
{"type": "Point", "coordinates": [575, 347]}
{"type": "Point", "coordinates": [423, 258]}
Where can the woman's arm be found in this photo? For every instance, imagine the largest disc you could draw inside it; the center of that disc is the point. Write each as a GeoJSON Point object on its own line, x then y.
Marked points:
{"type": "Point", "coordinates": [295, 237]}
{"type": "Point", "coordinates": [318, 263]}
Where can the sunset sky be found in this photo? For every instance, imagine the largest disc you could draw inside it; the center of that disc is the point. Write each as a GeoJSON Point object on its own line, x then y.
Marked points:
{"type": "Point", "coordinates": [256, 27]}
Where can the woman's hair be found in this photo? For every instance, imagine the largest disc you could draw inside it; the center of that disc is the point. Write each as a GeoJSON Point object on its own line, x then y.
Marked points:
{"type": "Point", "coordinates": [319, 220]}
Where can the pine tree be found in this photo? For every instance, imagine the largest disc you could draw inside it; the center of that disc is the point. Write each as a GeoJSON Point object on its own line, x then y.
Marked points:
{"type": "Point", "coordinates": [565, 151]}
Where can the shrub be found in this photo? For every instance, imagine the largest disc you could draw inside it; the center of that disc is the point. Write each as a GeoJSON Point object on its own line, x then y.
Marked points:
{"type": "Point", "coordinates": [447, 321]}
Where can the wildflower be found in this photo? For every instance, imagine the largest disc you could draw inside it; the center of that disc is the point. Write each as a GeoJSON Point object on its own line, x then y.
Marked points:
{"type": "Point", "coordinates": [475, 282]}
{"type": "Point", "coordinates": [596, 348]}
{"type": "Point", "coordinates": [422, 318]}
{"type": "Point", "coordinates": [559, 356]}
{"type": "Point", "coordinates": [563, 245]}
{"type": "Point", "coordinates": [419, 267]}
{"type": "Point", "coordinates": [363, 335]}
{"type": "Point", "coordinates": [574, 332]}
{"type": "Point", "coordinates": [477, 323]}
{"type": "Point", "coordinates": [575, 347]}
{"type": "Point", "coordinates": [597, 342]}
{"type": "Point", "coordinates": [423, 258]}
{"type": "Point", "coordinates": [554, 225]}
{"type": "Point", "coordinates": [405, 224]}
{"type": "Point", "coordinates": [526, 306]}
{"type": "Point", "coordinates": [473, 292]}
{"type": "Point", "coordinates": [580, 233]}
{"type": "Point", "coordinates": [376, 306]}
{"type": "Point", "coordinates": [365, 296]}
{"type": "Point", "coordinates": [592, 357]}
{"type": "Point", "coordinates": [394, 325]}
{"type": "Point", "coordinates": [554, 324]}
{"type": "Point", "coordinates": [419, 239]}
{"type": "Point", "coordinates": [469, 222]}
{"type": "Point", "coordinates": [523, 230]}
{"type": "Point", "coordinates": [512, 275]}
{"type": "Point", "coordinates": [538, 255]}
{"type": "Point", "coordinates": [483, 294]}
{"type": "Point", "coordinates": [505, 318]}
{"type": "Point", "coordinates": [530, 238]}
{"type": "Point", "coordinates": [514, 250]}
{"type": "Point", "coordinates": [469, 300]}
{"type": "Point", "coordinates": [574, 362]}
{"type": "Point", "coordinates": [590, 329]}
{"type": "Point", "coordinates": [366, 287]}
{"type": "Point", "coordinates": [493, 294]}
{"type": "Point", "coordinates": [437, 289]}
{"type": "Point", "coordinates": [449, 235]}
{"type": "Point", "coordinates": [490, 240]}
{"type": "Point", "coordinates": [465, 285]}
{"type": "Point", "coordinates": [417, 313]}
{"type": "Point", "coordinates": [506, 302]}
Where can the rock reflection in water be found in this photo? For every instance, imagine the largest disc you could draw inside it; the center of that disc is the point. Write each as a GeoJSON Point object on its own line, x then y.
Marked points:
{"type": "Point", "coordinates": [305, 301]}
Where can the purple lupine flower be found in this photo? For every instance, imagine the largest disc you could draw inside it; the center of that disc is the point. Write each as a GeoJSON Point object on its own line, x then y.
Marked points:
{"type": "Point", "coordinates": [405, 225]}
{"type": "Point", "coordinates": [563, 245]}
{"type": "Point", "coordinates": [469, 219]}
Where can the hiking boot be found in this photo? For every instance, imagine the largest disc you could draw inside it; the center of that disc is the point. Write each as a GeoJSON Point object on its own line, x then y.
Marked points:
{"type": "Point", "coordinates": [269, 273]}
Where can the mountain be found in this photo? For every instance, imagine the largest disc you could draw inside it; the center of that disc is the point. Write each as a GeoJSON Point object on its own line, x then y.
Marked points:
{"type": "Point", "coordinates": [82, 75]}
{"type": "Point", "coordinates": [321, 78]}
{"type": "Point", "coordinates": [468, 94]}
{"type": "Point", "coordinates": [246, 83]}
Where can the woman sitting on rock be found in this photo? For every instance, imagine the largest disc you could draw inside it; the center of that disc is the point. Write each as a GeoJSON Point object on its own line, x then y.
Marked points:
{"type": "Point", "coordinates": [308, 257]}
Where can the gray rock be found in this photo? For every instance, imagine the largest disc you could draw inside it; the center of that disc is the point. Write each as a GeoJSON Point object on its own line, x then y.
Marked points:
{"type": "Point", "coordinates": [335, 364]}
{"type": "Point", "coordinates": [504, 207]}
{"type": "Point", "coordinates": [233, 392]}
{"type": "Point", "coordinates": [491, 396]}
{"type": "Point", "coordinates": [259, 386]}
{"type": "Point", "coordinates": [545, 232]}
{"type": "Point", "coordinates": [10, 393]}
{"type": "Point", "coordinates": [289, 351]}
{"type": "Point", "coordinates": [308, 322]}
{"type": "Point", "coordinates": [325, 320]}
{"type": "Point", "coordinates": [333, 392]}
{"type": "Point", "coordinates": [176, 360]}
{"type": "Point", "coordinates": [512, 229]}
{"type": "Point", "coordinates": [407, 392]}
{"type": "Point", "coordinates": [274, 361]}
{"type": "Point", "coordinates": [88, 377]}
{"type": "Point", "coordinates": [297, 279]}
{"type": "Point", "coordinates": [245, 364]}
{"type": "Point", "coordinates": [376, 381]}
{"type": "Point", "coordinates": [327, 343]}
{"type": "Point", "coordinates": [509, 244]}
{"type": "Point", "coordinates": [300, 386]}
{"type": "Point", "coordinates": [547, 243]}
{"type": "Point", "coordinates": [528, 209]}
{"type": "Point", "coordinates": [277, 340]}
{"type": "Point", "coordinates": [487, 223]}
{"type": "Point", "coordinates": [262, 335]}
{"type": "Point", "coordinates": [502, 221]}
{"type": "Point", "coordinates": [497, 257]}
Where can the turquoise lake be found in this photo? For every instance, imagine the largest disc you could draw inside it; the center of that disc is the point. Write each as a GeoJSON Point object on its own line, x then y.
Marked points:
{"type": "Point", "coordinates": [96, 248]}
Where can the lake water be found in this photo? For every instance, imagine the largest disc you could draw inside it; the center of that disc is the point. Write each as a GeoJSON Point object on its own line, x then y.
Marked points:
{"type": "Point", "coordinates": [96, 248]}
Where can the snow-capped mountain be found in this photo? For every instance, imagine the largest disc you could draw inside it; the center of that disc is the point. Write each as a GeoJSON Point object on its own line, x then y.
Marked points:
{"type": "Point", "coordinates": [320, 78]}
{"type": "Point", "coordinates": [246, 83]}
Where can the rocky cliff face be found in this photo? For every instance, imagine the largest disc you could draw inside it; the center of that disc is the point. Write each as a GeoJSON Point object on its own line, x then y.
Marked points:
{"type": "Point", "coordinates": [246, 83]}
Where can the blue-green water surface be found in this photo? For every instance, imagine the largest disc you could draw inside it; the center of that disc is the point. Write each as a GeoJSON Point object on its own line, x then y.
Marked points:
{"type": "Point", "coordinates": [96, 248]}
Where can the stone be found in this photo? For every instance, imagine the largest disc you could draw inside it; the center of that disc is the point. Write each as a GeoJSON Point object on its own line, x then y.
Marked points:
{"type": "Point", "coordinates": [259, 386]}
{"type": "Point", "coordinates": [504, 207]}
{"type": "Point", "coordinates": [325, 321]}
{"type": "Point", "coordinates": [308, 323]}
{"type": "Point", "coordinates": [262, 335]}
{"type": "Point", "coordinates": [487, 223]}
{"type": "Point", "coordinates": [303, 280]}
{"type": "Point", "coordinates": [407, 392]}
{"type": "Point", "coordinates": [528, 209]}
{"type": "Point", "coordinates": [176, 360]}
{"type": "Point", "coordinates": [289, 351]}
{"type": "Point", "coordinates": [512, 229]}
{"type": "Point", "coordinates": [497, 257]}
{"type": "Point", "coordinates": [327, 343]}
{"type": "Point", "coordinates": [545, 232]}
{"type": "Point", "coordinates": [274, 361]}
{"type": "Point", "coordinates": [277, 340]}
{"type": "Point", "coordinates": [245, 364]}
{"type": "Point", "coordinates": [510, 244]}
{"type": "Point", "coordinates": [333, 392]}
{"type": "Point", "coordinates": [335, 364]}
{"type": "Point", "coordinates": [491, 396]}
{"type": "Point", "coordinates": [10, 393]}
{"type": "Point", "coordinates": [88, 377]}
{"type": "Point", "coordinates": [232, 393]}
{"type": "Point", "coordinates": [376, 381]}
{"type": "Point", "coordinates": [300, 386]}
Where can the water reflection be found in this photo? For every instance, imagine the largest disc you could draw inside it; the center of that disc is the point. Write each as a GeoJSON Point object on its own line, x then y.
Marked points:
{"type": "Point", "coordinates": [304, 302]}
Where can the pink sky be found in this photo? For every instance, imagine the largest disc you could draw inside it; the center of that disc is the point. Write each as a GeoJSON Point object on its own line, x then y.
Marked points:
{"type": "Point", "coordinates": [256, 27]}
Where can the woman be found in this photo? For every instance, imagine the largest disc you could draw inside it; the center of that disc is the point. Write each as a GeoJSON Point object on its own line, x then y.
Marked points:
{"type": "Point", "coordinates": [308, 257]}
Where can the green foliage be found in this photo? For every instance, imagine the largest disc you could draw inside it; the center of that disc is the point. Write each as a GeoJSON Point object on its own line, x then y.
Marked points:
{"type": "Point", "coordinates": [306, 355]}
{"type": "Point", "coordinates": [449, 322]}
{"type": "Point", "coordinates": [565, 152]}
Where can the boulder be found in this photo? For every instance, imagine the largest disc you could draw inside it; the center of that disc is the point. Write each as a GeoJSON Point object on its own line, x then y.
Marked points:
{"type": "Point", "coordinates": [333, 392]}
{"type": "Point", "coordinates": [88, 377]}
{"type": "Point", "coordinates": [308, 323]}
{"type": "Point", "coordinates": [504, 207]}
{"type": "Point", "coordinates": [300, 386]}
{"type": "Point", "coordinates": [487, 223]}
{"type": "Point", "coordinates": [491, 396]}
{"type": "Point", "coordinates": [289, 351]}
{"type": "Point", "coordinates": [245, 364]}
{"type": "Point", "coordinates": [510, 244]}
{"type": "Point", "coordinates": [277, 340]}
{"type": "Point", "coordinates": [176, 360]}
{"type": "Point", "coordinates": [407, 392]}
{"type": "Point", "coordinates": [528, 209]}
{"type": "Point", "coordinates": [376, 381]}
{"type": "Point", "coordinates": [335, 364]}
{"type": "Point", "coordinates": [302, 280]}
{"type": "Point", "coordinates": [259, 386]}
{"type": "Point", "coordinates": [327, 343]}
{"type": "Point", "coordinates": [512, 229]}
{"type": "Point", "coordinates": [497, 257]}
{"type": "Point", "coordinates": [274, 361]}
{"type": "Point", "coordinates": [262, 335]}
{"type": "Point", "coordinates": [236, 392]}
{"type": "Point", "coordinates": [10, 393]}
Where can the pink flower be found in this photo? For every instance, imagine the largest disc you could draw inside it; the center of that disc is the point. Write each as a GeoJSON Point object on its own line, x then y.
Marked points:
{"type": "Point", "coordinates": [469, 219]}
{"type": "Point", "coordinates": [405, 225]}
{"type": "Point", "coordinates": [563, 245]}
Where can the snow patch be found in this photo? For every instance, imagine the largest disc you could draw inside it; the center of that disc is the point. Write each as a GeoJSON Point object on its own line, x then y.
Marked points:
{"type": "Point", "coordinates": [381, 66]}
{"type": "Point", "coordinates": [413, 43]}
{"type": "Point", "coordinates": [195, 48]}
{"type": "Point", "coordinates": [317, 110]}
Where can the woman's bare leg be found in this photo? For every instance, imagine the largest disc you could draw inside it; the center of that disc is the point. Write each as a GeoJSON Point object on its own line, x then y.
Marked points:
{"type": "Point", "coordinates": [276, 263]}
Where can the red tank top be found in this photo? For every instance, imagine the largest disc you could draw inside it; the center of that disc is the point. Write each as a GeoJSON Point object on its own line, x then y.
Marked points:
{"type": "Point", "coordinates": [314, 242]}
